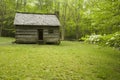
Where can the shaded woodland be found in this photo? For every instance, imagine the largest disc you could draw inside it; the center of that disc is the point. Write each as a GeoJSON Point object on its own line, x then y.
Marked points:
{"type": "Point", "coordinates": [78, 17]}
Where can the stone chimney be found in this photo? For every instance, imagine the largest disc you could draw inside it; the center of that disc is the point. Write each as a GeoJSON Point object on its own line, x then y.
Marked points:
{"type": "Point", "coordinates": [57, 14]}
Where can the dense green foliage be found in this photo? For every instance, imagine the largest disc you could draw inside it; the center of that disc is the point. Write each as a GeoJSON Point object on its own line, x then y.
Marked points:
{"type": "Point", "coordinates": [68, 61]}
{"type": "Point", "coordinates": [93, 39]}
{"type": "Point", "coordinates": [112, 40]}
{"type": "Point", "coordinates": [78, 17]}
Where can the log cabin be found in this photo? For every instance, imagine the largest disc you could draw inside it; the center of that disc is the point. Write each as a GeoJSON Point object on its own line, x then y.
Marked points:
{"type": "Point", "coordinates": [37, 28]}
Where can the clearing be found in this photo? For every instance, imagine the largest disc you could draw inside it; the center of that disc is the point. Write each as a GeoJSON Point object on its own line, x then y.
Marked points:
{"type": "Point", "coordinates": [67, 61]}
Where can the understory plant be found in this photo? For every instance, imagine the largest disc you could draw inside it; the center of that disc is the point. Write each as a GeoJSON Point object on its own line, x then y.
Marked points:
{"type": "Point", "coordinates": [94, 39]}
{"type": "Point", "coordinates": [112, 40]}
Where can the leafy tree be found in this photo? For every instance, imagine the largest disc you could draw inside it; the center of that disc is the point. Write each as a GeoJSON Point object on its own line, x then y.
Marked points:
{"type": "Point", "coordinates": [78, 17]}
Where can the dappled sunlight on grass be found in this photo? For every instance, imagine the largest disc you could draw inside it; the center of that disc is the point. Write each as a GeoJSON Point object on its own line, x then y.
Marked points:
{"type": "Point", "coordinates": [67, 61]}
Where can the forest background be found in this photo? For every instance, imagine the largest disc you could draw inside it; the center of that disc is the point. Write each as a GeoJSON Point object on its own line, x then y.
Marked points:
{"type": "Point", "coordinates": [78, 18]}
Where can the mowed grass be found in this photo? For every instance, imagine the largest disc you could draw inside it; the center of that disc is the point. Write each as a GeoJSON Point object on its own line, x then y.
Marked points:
{"type": "Point", "coordinates": [67, 61]}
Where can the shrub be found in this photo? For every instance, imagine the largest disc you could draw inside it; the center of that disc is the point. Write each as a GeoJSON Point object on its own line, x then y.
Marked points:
{"type": "Point", "coordinates": [106, 38]}
{"type": "Point", "coordinates": [94, 39]}
{"type": "Point", "coordinates": [84, 38]}
{"type": "Point", "coordinates": [114, 41]}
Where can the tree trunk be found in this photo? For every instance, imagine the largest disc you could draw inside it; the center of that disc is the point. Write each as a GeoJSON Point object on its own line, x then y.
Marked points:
{"type": "Point", "coordinates": [64, 21]}
{"type": "Point", "coordinates": [77, 20]}
{"type": "Point", "coordinates": [1, 30]}
{"type": "Point", "coordinates": [25, 2]}
{"type": "Point", "coordinates": [77, 26]}
{"type": "Point", "coordinates": [40, 4]}
{"type": "Point", "coordinates": [2, 16]}
{"type": "Point", "coordinates": [77, 32]}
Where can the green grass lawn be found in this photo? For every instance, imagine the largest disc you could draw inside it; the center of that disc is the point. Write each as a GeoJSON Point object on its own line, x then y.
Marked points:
{"type": "Point", "coordinates": [67, 61]}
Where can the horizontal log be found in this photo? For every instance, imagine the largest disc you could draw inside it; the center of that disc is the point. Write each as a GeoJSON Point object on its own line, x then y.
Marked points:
{"type": "Point", "coordinates": [24, 30]}
{"type": "Point", "coordinates": [26, 36]}
{"type": "Point", "coordinates": [51, 39]}
{"type": "Point", "coordinates": [26, 39]}
{"type": "Point", "coordinates": [26, 33]}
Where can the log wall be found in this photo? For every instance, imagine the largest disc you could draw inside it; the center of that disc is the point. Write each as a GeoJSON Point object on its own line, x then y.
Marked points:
{"type": "Point", "coordinates": [29, 34]}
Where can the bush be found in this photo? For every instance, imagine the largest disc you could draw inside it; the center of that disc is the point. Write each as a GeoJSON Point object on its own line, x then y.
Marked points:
{"type": "Point", "coordinates": [106, 38]}
{"type": "Point", "coordinates": [114, 41]}
{"type": "Point", "coordinates": [84, 38]}
{"type": "Point", "coordinates": [94, 39]}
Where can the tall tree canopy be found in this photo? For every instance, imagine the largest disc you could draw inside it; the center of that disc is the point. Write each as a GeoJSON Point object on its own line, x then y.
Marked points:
{"type": "Point", "coordinates": [78, 17]}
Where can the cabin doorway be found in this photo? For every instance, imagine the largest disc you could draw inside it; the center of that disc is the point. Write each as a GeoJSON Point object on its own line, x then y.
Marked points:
{"type": "Point", "coordinates": [40, 34]}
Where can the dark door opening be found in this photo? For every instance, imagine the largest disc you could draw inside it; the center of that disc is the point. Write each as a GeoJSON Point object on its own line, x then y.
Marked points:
{"type": "Point", "coordinates": [40, 34]}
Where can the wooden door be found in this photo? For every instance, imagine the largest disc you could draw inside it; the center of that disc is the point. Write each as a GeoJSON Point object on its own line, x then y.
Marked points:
{"type": "Point", "coordinates": [40, 34]}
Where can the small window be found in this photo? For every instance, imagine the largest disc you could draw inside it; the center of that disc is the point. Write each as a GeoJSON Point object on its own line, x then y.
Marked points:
{"type": "Point", "coordinates": [50, 31]}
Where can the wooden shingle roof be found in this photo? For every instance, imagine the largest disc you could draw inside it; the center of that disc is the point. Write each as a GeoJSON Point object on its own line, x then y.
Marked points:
{"type": "Point", "coordinates": [36, 19]}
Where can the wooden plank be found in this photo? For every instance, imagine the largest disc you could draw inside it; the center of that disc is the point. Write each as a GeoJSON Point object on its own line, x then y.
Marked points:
{"type": "Point", "coordinates": [26, 39]}
{"type": "Point", "coordinates": [26, 33]}
{"type": "Point", "coordinates": [27, 36]}
{"type": "Point", "coordinates": [51, 39]}
{"type": "Point", "coordinates": [24, 30]}
{"type": "Point", "coordinates": [51, 35]}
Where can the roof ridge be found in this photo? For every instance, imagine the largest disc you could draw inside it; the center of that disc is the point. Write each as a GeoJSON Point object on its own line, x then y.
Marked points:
{"type": "Point", "coordinates": [36, 13]}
